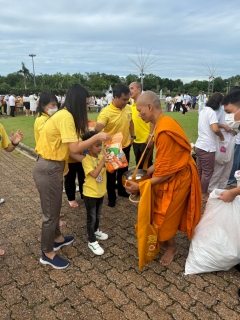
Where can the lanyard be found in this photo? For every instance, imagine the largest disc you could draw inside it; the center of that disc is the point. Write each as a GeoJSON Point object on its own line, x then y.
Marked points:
{"type": "Point", "coordinates": [95, 165]}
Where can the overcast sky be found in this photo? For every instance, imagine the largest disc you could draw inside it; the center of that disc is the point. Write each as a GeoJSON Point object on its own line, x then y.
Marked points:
{"type": "Point", "coordinates": [71, 36]}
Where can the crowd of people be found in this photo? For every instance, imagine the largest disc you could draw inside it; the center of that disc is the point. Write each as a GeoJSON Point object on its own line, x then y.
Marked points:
{"type": "Point", "coordinates": [184, 101]}
{"type": "Point", "coordinates": [68, 145]}
{"type": "Point", "coordinates": [10, 103]}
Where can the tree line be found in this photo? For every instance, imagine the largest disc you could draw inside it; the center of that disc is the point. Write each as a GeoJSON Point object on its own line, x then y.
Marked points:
{"type": "Point", "coordinates": [22, 81]}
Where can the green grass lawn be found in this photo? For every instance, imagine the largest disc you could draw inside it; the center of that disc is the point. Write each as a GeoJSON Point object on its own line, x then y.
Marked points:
{"type": "Point", "coordinates": [25, 124]}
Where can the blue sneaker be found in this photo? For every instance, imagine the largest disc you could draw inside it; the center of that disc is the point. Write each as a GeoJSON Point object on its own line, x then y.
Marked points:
{"type": "Point", "coordinates": [66, 242]}
{"type": "Point", "coordinates": [56, 262]}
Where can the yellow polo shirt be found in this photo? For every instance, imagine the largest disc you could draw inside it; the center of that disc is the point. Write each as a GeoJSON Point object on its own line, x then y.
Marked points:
{"type": "Point", "coordinates": [39, 124]}
{"type": "Point", "coordinates": [4, 140]}
{"type": "Point", "coordinates": [92, 188]}
{"type": "Point", "coordinates": [116, 120]}
{"type": "Point", "coordinates": [57, 132]}
{"type": "Point", "coordinates": [141, 128]}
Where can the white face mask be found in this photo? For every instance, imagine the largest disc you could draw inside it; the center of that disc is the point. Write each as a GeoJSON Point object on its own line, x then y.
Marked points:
{"type": "Point", "coordinates": [50, 112]}
{"type": "Point", "coordinates": [229, 118]}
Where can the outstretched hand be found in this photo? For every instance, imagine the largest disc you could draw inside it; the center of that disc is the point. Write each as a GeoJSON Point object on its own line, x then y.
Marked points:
{"type": "Point", "coordinates": [103, 136]}
{"type": "Point", "coordinates": [227, 196]}
{"type": "Point", "coordinates": [16, 137]}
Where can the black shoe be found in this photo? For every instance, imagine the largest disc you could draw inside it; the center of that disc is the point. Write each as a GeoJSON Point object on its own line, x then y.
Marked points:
{"type": "Point", "coordinates": [124, 195]}
{"type": "Point", "coordinates": [237, 266]}
{"type": "Point", "coordinates": [111, 204]}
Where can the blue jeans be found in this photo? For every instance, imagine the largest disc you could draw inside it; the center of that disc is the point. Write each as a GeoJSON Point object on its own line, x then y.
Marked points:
{"type": "Point", "coordinates": [236, 164]}
{"type": "Point", "coordinates": [93, 206]}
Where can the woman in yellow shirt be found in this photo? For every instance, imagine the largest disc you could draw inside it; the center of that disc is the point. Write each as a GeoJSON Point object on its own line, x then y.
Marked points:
{"type": "Point", "coordinates": [58, 138]}
{"type": "Point", "coordinates": [47, 106]}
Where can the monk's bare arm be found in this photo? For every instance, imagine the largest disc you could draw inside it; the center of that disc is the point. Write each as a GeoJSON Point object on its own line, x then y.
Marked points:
{"type": "Point", "coordinates": [150, 170]}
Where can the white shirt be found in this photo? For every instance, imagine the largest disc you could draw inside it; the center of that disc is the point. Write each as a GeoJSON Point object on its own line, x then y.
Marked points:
{"type": "Point", "coordinates": [184, 99]}
{"type": "Point", "coordinates": [11, 101]}
{"type": "Point", "coordinates": [188, 99]}
{"type": "Point", "coordinates": [169, 99]}
{"type": "Point", "coordinates": [207, 139]}
{"type": "Point", "coordinates": [221, 119]}
{"type": "Point", "coordinates": [179, 99]}
{"type": "Point", "coordinates": [109, 97]}
{"type": "Point", "coordinates": [26, 99]}
{"type": "Point", "coordinates": [202, 98]}
{"type": "Point", "coordinates": [6, 98]}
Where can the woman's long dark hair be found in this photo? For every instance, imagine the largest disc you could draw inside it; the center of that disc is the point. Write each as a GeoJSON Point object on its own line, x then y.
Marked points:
{"type": "Point", "coordinates": [45, 98]}
{"type": "Point", "coordinates": [75, 103]}
{"type": "Point", "coordinates": [215, 101]}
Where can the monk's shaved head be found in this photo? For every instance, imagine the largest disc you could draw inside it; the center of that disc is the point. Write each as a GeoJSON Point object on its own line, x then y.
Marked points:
{"type": "Point", "coordinates": [149, 97]}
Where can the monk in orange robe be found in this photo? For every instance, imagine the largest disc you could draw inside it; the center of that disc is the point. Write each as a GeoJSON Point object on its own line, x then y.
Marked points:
{"type": "Point", "coordinates": [175, 181]}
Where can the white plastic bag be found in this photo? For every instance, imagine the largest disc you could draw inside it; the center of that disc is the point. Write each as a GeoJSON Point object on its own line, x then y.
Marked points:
{"type": "Point", "coordinates": [216, 242]}
{"type": "Point", "coordinates": [225, 150]}
{"type": "Point", "coordinates": [237, 177]}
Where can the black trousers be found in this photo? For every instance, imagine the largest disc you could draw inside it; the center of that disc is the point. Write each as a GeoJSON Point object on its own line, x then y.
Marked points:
{"type": "Point", "coordinates": [93, 206]}
{"type": "Point", "coordinates": [178, 105]}
{"type": "Point", "coordinates": [5, 107]}
{"type": "Point", "coordinates": [184, 109]}
{"type": "Point", "coordinates": [117, 175]}
{"type": "Point", "coordinates": [75, 169]}
{"type": "Point", "coordinates": [12, 111]}
{"type": "Point", "coordinates": [138, 149]}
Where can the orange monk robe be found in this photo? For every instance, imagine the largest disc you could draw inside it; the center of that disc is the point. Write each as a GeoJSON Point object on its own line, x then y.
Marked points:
{"type": "Point", "coordinates": [177, 201]}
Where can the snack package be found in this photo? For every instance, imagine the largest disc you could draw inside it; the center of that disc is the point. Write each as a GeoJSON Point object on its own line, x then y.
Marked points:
{"type": "Point", "coordinates": [116, 156]}
{"type": "Point", "coordinates": [91, 125]}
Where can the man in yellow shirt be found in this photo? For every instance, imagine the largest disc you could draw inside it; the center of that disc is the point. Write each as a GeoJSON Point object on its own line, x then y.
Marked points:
{"type": "Point", "coordinates": [117, 117]}
{"type": "Point", "coordinates": [141, 128]}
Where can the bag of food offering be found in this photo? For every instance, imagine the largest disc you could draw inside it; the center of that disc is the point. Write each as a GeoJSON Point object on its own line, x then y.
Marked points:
{"type": "Point", "coordinates": [116, 156]}
{"type": "Point", "coordinates": [91, 125]}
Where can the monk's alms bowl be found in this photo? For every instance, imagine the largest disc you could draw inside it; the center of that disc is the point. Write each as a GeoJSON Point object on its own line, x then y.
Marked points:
{"type": "Point", "coordinates": [140, 176]}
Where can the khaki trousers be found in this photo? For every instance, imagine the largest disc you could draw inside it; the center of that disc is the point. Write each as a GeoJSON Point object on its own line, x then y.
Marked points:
{"type": "Point", "coordinates": [48, 177]}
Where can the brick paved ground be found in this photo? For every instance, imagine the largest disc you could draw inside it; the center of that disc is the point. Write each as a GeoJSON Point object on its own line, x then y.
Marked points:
{"type": "Point", "coordinates": [108, 287]}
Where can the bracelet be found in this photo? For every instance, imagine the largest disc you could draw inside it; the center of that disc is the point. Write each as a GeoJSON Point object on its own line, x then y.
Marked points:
{"type": "Point", "coordinates": [15, 144]}
{"type": "Point", "coordinates": [133, 137]}
{"type": "Point", "coordinates": [150, 135]}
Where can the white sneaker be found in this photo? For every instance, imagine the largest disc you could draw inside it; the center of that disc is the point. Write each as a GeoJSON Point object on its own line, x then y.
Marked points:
{"type": "Point", "coordinates": [1, 201]}
{"type": "Point", "coordinates": [95, 247]}
{"type": "Point", "coordinates": [100, 235]}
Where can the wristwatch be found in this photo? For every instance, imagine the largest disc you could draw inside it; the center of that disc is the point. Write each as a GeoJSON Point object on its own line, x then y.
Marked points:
{"type": "Point", "coordinates": [133, 137]}
{"type": "Point", "coordinates": [15, 144]}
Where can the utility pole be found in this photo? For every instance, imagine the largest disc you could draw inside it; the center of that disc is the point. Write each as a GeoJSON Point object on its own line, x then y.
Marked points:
{"type": "Point", "coordinates": [33, 55]}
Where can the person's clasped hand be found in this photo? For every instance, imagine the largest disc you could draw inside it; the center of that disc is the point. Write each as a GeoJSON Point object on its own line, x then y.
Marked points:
{"type": "Point", "coordinates": [132, 187]}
